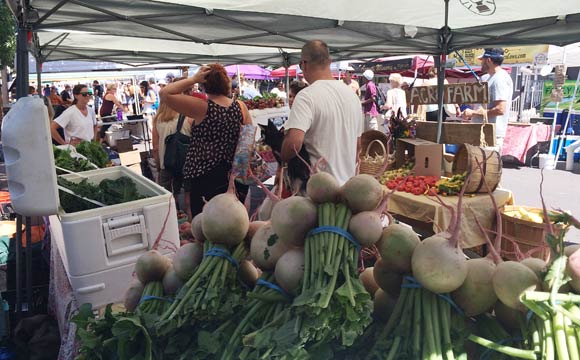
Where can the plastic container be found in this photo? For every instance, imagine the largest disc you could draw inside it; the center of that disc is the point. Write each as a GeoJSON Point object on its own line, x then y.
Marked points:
{"type": "Point", "coordinates": [99, 247]}
{"type": "Point", "coordinates": [114, 134]}
{"type": "Point", "coordinates": [546, 161]}
{"type": "Point", "coordinates": [29, 160]}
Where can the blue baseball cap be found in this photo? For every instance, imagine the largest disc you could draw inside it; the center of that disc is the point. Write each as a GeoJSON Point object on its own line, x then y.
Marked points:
{"type": "Point", "coordinates": [492, 54]}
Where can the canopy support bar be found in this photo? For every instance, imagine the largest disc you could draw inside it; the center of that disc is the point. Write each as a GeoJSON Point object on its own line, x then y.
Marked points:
{"type": "Point", "coordinates": [51, 11]}
{"type": "Point", "coordinates": [140, 22]}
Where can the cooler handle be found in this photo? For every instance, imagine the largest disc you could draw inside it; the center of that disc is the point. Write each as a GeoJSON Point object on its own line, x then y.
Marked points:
{"type": "Point", "coordinates": [122, 227]}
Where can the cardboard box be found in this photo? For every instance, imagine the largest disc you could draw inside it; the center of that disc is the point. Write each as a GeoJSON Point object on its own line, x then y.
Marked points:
{"type": "Point", "coordinates": [428, 156]}
{"type": "Point", "coordinates": [136, 168]}
{"type": "Point", "coordinates": [124, 145]}
{"type": "Point", "coordinates": [130, 158]}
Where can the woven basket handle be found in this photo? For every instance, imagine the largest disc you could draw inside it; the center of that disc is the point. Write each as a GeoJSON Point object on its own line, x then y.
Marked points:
{"type": "Point", "coordinates": [382, 146]}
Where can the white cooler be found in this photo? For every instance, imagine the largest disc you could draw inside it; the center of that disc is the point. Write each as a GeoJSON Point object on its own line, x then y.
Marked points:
{"type": "Point", "coordinates": [99, 247]}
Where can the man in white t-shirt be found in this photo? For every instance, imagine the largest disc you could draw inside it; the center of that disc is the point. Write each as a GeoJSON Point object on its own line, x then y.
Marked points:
{"type": "Point", "coordinates": [500, 94]}
{"type": "Point", "coordinates": [325, 116]}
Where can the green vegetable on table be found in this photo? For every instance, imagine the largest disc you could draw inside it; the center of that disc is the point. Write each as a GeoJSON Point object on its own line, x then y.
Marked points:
{"type": "Point", "coordinates": [64, 159]}
{"type": "Point", "coordinates": [94, 152]}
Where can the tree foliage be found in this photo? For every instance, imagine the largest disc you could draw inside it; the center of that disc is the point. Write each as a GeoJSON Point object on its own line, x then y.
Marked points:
{"type": "Point", "coordinates": [7, 35]}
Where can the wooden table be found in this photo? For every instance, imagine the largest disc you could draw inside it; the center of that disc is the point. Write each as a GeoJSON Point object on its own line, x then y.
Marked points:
{"type": "Point", "coordinates": [428, 216]}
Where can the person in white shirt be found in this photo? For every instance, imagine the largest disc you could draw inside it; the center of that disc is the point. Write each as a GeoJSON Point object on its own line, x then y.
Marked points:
{"type": "Point", "coordinates": [396, 97]}
{"type": "Point", "coordinates": [279, 90]}
{"type": "Point", "coordinates": [78, 121]}
{"type": "Point", "coordinates": [500, 94]}
{"type": "Point", "coordinates": [325, 117]}
{"type": "Point", "coordinates": [348, 80]}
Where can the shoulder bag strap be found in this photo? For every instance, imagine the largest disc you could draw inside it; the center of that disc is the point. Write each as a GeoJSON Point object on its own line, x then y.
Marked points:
{"type": "Point", "coordinates": [180, 123]}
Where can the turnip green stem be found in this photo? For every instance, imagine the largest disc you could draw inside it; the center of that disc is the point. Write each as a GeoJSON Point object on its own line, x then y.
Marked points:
{"type": "Point", "coordinates": [508, 350]}
{"type": "Point", "coordinates": [429, 331]}
{"type": "Point", "coordinates": [560, 336]}
{"type": "Point", "coordinates": [548, 341]}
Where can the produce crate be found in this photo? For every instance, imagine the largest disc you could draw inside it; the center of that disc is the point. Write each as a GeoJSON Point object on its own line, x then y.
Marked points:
{"type": "Point", "coordinates": [526, 234]}
{"type": "Point", "coordinates": [114, 134]}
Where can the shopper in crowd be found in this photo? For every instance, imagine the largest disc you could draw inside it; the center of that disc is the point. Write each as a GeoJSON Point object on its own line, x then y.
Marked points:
{"type": "Point", "coordinates": [295, 87]}
{"type": "Point", "coordinates": [106, 111]}
{"type": "Point", "coordinates": [396, 97]}
{"type": "Point", "coordinates": [46, 91]}
{"type": "Point", "coordinates": [325, 116]}
{"type": "Point", "coordinates": [500, 94]}
{"type": "Point", "coordinates": [165, 124]}
{"type": "Point", "coordinates": [148, 98]}
{"type": "Point", "coordinates": [215, 132]}
{"type": "Point", "coordinates": [348, 80]}
{"type": "Point", "coordinates": [66, 95]}
{"type": "Point", "coordinates": [279, 90]}
{"type": "Point", "coordinates": [55, 99]}
{"type": "Point", "coordinates": [369, 104]}
{"type": "Point", "coordinates": [235, 90]}
{"type": "Point", "coordinates": [78, 122]}
{"type": "Point", "coordinates": [32, 91]}
{"type": "Point", "coordinates": [97, 96]}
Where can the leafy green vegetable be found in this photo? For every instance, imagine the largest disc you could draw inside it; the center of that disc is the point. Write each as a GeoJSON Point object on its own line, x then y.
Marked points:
{"type": "Point", "coordinates": [108, 192]}
{"type": "Point", "coordinates": [94, 152]}
{"type": "Point", "coordinates": [64, 159]}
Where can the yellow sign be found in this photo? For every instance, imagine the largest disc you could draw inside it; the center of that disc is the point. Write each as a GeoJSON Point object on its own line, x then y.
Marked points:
{"type": "Point", "coordinates": [512, 55]}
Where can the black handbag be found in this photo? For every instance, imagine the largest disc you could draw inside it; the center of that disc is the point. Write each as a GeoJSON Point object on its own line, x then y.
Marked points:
{"type": "Point", "coordinates": [176, 146]}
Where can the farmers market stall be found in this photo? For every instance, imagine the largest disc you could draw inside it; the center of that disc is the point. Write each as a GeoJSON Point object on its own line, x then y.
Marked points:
{"type": "Point", "coordinates": [427, 214]}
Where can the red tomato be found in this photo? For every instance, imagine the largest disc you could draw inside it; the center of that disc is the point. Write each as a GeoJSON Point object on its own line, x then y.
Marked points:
{"type": "Point", "coordinates": [417, 191]}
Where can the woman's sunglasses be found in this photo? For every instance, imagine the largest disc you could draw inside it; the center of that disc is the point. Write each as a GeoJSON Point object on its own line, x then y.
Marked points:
{"type": "Point", "coordinates": [84, 94]}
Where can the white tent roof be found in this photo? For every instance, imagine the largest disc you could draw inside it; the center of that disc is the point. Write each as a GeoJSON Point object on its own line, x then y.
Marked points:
{"type": "Point", "coordinates": [201, 30]}
{"type": "Point", "coordinates": [556, 55]}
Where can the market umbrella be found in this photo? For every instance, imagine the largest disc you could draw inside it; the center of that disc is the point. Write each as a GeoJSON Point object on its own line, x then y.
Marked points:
{"type": "Point", "coordinates": [250, 71]}
{"type": "Point", "coordinates": [281, 72]}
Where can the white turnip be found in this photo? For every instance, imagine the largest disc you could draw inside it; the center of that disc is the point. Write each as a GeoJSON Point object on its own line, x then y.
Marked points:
{"type": "Point", "coordinates": [396, 247]}
{"type": "Point", "coordinates": [510, 280]}
{"type": "Point", "coordinates": [248, 273]}
{"type": "Point", "coordinates": [367, 226]}
{"type": "Point", "coordinates": [196, 228]}
{"type": "Point", "coordinates": [362, 193]}
{"type": "Point", "coordinates": [225, 220]}
{"type": "Point", "coordinates": [171, 282]}
{"type": "Point", "coordinates": [476, 295]}
{"type": "Point", "coordinates": [322, 187]}
{"type": "Point", "coordinates": [266, 247]}
{"type": "Point", "coordinates": [383, 305]}
{"type": "Point", "coordinates": [386, 278]}
{"type": "Point", "coordinates": [368, 280]}
{"type": "Point", "coordinates": [292, 218]}
{"type": "Point", "coordinates": [289, 270]}
{"type": "Point", "coordinates": [151, 266]}
{"type": "Point", "coordinates": [538, 266]}
{"type": "Point", "coordinates": [573, 270]}
{"type": "Point", "coordinates": [437, 262]}
{"type": "Point", "coordinates": [254, 226]}
{"type": "Point", "coordinates": [133, 295]}
{"type": "Point", "coordinates": [186, 260]}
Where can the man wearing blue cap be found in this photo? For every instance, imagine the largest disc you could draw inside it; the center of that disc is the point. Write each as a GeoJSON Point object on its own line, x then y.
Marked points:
{"type": "Point", "coordinates": [500, 94]}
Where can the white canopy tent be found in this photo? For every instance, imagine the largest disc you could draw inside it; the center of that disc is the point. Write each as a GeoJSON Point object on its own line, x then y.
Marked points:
{"type": "Point", "coordinates": [144, 31]}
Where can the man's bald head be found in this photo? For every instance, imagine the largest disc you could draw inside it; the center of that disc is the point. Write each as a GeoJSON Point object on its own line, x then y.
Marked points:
{"type": "Point", "coordinates": [316, 53]}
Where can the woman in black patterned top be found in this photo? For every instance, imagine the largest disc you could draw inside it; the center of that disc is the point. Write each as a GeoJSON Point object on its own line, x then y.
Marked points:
{"type": "Point", "coordinates": [215, 132]}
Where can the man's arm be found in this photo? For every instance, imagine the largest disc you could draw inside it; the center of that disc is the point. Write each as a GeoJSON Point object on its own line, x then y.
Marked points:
{"type": "Point", "coordinates": [292, 144]}
{"type": "Point", "coordinates": [499, 108]}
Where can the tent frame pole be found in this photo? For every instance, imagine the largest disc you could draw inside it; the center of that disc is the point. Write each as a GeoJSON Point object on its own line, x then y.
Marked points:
{"type": "Point", "coordinates": [444, 39]}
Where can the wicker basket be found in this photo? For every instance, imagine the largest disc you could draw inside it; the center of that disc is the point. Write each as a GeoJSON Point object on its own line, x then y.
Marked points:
{"type": "Point", "coordinates": [370, 136]}
{"type": "Point", "coordinates": [467, 159]}
{"type": "Point", "coordinates": [526, 234]}
{"type": "Point", "coordinates": [373, 164]}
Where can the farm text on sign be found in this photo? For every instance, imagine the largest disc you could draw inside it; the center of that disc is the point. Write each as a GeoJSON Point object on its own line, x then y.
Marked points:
{"type": "Point", "coordinates": [462, 93]}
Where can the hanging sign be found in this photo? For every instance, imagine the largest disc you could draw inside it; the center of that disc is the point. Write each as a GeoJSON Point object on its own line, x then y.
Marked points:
{"type": "Point", "coordinates": [388, 66]}
{"type": "Point", "coordinates": [512, 55]}
{"type": "Point", "coordinates": [460, 93]}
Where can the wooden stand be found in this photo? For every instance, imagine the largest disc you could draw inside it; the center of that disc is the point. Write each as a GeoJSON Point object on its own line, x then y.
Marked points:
{"type": "Point", "coordinates": [457, 133]}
